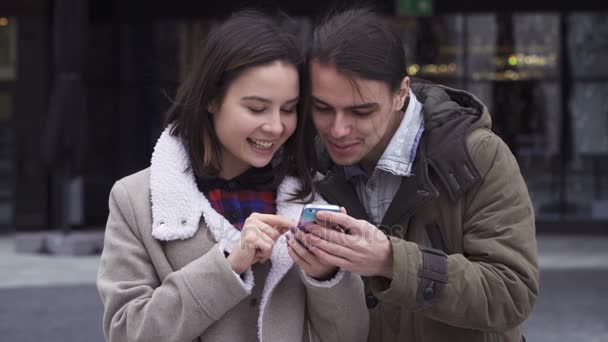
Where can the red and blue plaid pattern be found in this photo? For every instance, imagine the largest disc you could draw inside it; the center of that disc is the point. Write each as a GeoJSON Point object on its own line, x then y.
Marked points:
{"type": "Point", "coordinates": [236, 199]}
{"type": "Point", "coordinates": [237, 205]}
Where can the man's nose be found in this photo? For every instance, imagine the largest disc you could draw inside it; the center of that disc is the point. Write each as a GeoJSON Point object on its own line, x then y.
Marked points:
{"type": "Point", "coordinates": [341, 126]}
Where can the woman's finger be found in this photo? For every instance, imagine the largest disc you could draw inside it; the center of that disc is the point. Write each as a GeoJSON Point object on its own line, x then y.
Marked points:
{"type": "Point", "coordinates": [264, 245]}
{"type": "Point", "coordinates": [271, 232]}
{"type": "Point", "coordinates": [280, 223]}
{"type": "Point", "coordinates": [300, 249]}
{"type": "Point", "coordinates": [297, 258]}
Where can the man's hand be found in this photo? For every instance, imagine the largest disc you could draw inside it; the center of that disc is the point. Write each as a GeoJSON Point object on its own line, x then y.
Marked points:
{"type": "Point", "coordinates": [361, 248]}
{"type": "Point", "coordinates": [310, 263]}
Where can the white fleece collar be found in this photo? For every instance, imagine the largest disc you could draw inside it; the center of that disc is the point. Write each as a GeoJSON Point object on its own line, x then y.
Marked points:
{"type": "Point", "coordinates": [177, 206]}
{"type": "Point", "coordinates": [177, 203]}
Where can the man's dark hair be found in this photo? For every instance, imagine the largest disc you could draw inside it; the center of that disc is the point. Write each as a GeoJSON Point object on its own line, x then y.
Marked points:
{"type": "Point", "coordinates": [360, 43]}
{"type": "Point", "coordinates": [247, 39]}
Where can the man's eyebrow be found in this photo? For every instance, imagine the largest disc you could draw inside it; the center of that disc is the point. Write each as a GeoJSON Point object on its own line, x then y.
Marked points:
{"type": "Point", "coordinates": [367, 105]}
{"type": "Point", "coordinates": [256, 98]}
{"type": "Point", "coordinates": [321, 101]}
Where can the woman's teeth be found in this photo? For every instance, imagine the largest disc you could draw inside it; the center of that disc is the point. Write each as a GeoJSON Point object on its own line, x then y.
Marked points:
{"type": "Point", "coordinates": [261, 144]}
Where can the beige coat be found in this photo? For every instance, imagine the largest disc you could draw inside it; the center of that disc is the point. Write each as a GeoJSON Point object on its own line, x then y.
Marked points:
{"type": "Point", "coordinates": [164, 277]}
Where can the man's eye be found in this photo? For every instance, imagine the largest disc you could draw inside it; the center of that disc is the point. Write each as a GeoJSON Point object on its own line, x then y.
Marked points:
{"type": "Point", "coordinates": [257, 110]}
{"type": "Point", "coordinates": [322, 108]}
{"type": "Point", "coordinates": [362, 113]}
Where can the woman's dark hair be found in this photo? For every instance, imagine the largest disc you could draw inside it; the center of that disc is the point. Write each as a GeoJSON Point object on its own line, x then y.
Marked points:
{"type": "Point", "coordinates": [360, 43]}
{"type": "Point", "coordinates": [247, 39]}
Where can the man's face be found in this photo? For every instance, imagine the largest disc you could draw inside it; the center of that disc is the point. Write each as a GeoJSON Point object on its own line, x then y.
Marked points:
{"type": "Point", "coordinates": [355, 117]}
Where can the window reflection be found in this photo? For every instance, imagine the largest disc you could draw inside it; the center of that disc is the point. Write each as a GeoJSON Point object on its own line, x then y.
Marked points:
{"type": "Point", "coordinates": [512, 63]}
{"type": "Point", "coordinates": [8, 48]}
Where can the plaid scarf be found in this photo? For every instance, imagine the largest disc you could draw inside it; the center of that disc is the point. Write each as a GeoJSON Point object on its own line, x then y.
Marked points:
{"type": "Point", "coordinates": [241, 196]}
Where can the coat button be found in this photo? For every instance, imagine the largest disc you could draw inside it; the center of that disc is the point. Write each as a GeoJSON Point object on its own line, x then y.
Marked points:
{"type": "Point", "coordinates": [371, 301]}
{"type": "Point", "coordinates": [423, 193]}
{"type": "Point", "coordinates": [253, 302]}
{"type": "Point", "coordinates": [428, 293]}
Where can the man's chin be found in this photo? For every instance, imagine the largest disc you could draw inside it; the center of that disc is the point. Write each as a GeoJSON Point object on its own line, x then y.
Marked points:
{"type": "Point", "coordinates": [343, 160]}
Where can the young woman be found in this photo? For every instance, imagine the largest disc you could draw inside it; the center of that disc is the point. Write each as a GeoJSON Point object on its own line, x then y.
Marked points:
{"type": "Point", "coordinates": [195, 245]}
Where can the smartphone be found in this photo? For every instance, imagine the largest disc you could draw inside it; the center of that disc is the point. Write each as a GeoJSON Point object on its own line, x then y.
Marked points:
{"type": "Point", "coordinates": [309, 213]}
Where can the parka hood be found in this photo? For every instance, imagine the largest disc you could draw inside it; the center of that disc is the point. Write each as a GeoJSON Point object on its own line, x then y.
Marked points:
{"type": "Point", "coordinates": [450, 115]}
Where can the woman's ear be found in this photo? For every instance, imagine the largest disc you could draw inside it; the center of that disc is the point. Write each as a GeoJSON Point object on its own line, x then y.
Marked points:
{"type": "Point", "coordinates": [402, 93]}
{"type": "Point", "coordinates": [212, 106]}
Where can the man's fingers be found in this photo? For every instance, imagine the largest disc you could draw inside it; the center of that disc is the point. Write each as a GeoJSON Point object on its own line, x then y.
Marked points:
{"type": "Point", "coordinates": [329, 218]}
{"type": "Point", "coordinates": [330, 259]}
{"type": "Point", "coordinates": [329, 247]}
{"type": "Point", "coordinates": [333, 236]}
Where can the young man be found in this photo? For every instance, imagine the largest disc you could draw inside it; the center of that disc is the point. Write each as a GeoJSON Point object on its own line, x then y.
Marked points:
{"type": "Point", "coordinates": [439, 220]}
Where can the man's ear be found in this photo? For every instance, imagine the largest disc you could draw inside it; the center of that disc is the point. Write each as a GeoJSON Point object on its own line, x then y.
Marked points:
{"type": "Point", "coordinates": [402, 93]}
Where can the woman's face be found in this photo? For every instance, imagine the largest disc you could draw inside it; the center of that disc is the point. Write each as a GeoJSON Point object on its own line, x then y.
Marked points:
{"type": "Point", "coordinates": [257, 115]}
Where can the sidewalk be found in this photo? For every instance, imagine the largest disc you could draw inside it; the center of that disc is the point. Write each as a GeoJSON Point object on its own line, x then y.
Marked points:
{"type": "Point", "coordinates": [60, 293]}
{"type": "Point", "coordinates": [556, 252]}
{"type": "Point", "coordinates": [25, 270]}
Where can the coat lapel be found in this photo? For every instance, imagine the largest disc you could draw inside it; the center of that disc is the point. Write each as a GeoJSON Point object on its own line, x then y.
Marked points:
{"type": "Point", "coordinates": [335, 189]}
{"type": "Point", "coordinates": [412, 194]}
{"type": "Point", "coordinates": [176, 202]}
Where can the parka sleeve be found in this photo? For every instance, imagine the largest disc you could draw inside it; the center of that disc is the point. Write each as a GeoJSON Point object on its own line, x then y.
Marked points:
{"type": "Point", "coordinates": [336, 308]}
{"type": "Point", "coordinates": [138, 306]}
{"type": "Point", "coordinates": [494, 283]}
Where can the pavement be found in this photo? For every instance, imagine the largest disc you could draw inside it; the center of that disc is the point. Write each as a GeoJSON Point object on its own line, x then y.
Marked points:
{"type": "Point", "coordinates": [54, 298]}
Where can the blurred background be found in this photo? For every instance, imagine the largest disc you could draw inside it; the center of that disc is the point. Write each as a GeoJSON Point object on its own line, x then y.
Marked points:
{"type": "Point", "coordinates": [84, 85]}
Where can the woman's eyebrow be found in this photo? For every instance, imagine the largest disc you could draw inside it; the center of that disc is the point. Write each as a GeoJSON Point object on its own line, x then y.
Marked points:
{"type": "Point", "coordinates": [295, 99]}
{"type": "Point", "coordinates": [265, 100]}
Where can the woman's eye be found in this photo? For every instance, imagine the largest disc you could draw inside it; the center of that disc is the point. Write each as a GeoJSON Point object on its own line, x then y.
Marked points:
{"type": "Point", "coordinates": [288, 110]}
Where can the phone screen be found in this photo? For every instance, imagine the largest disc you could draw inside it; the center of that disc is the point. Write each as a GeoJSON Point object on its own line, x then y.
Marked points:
{"type": "Point", "coordinates": [309, 213]}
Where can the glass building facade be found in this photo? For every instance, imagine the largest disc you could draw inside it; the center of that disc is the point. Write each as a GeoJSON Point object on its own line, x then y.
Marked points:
{"type": "Point", "coordinates": [542, 75]}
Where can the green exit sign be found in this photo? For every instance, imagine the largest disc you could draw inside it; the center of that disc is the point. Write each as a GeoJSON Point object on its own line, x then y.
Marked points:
{"type": "Point", "coordinates": [415, 7]}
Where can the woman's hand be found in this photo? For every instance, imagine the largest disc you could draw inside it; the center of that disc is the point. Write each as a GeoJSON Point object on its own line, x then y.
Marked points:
{"type": "Point", "coordinates": [307, 261]}
{"type": "Point", "coordinates": [259, 233]}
